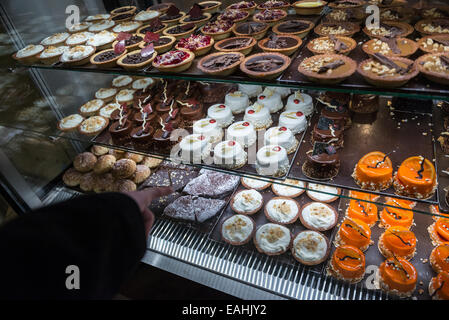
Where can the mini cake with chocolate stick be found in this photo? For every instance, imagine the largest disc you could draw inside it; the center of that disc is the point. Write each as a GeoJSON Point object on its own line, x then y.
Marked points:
{"type": "Point", "coordinates": [328, 131]}
{"type": "Point", "coordinates": [322, 163]}
{"type": "Point", "coordinates": [191, 111]}
{"type": "Point", "coordinates": [145, 114]}
{"type": "Point", "coordinates": [166, 102]}
{"type": "Point", "coordinates": [173, 117]}
{"type": "Point", "coordinates": [162, 136]}
{"type": "Point", "coordinates": [141, 135]}
{"type": "Point", "coordinates": [187, 90]}
{"type": "Point", "coordinates": [336, 111]}
{"type": "Point", "coordinates": [121, 128]}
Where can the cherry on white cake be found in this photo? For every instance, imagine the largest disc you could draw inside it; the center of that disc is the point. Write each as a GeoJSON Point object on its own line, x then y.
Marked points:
{"type": "Point", "coordinates": [237, 101]}
{"type": "Point", "coordinates": [222, 113]}
{"type": "Point", "coordinates": [259, 116]}
{"type": "Point", "coordinates": [250, 89]}
{"type": "Point", "coordinates": [209, 128]}
{"type": "Point", "coordinates": [294, 120]}
{"type": "Point", "coordinates": [272, 161]}
{"type": "Point", "coordinates": [194, 148]}
{"type": "Point", "coordinates": [300, 102]}
{"type": "Point", "coordinates": [230, 154]}
{"type": "Point", "coordinates": [270, 99]}
{"type": "Point", "coordinates": [242, 132]}
{"type": "Point", "coordinates": [283, 137]}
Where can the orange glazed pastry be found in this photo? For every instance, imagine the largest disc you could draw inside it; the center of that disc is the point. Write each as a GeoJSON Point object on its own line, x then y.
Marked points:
{"type": "Point", "coordinates": [398, 276]}
{"type": "Point", "coordinates": [398, 241]}
{"type": "Point", "coordinates": [435, 210]}
{"type": "Point", "coordinates": [415, 178]}
{"type": "Point", "coordinates": [355, 233]}
{"type": "Point", "coordinates": [439, 286]}
{"type": "Point", "coordinates": [364, 211]}
{"type": "Point", "coordinates": [409, 204]}
{"type": "Point", "coordinates": [439, 231]}
{"type": "Point", "coordinates": [439, 258]}
{"type": "Point", "coordinates": [347, 263]}
{"type": "Point", "coordinates": [393, 216]}
{"type": "Point", "coordinates": [363, 195]}
{"type": "Point", "coordinates": [374, 171]}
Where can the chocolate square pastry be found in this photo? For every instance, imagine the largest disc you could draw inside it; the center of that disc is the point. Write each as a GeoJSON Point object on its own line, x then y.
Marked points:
{"type": "Point", "coordinates": [180, 178]}
{"type": "Point", "coordinates": [194, 209]}
{"type": "Point", "coordinates": [158, 205]}
{"type": "Point", "coordinates": [160, 178]}
{"type": "Point", "coordinates": [212, 184]}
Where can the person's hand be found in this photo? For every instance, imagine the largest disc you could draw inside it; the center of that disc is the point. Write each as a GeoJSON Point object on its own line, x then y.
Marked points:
{"type": "Point", "coordinates": [143, 199]}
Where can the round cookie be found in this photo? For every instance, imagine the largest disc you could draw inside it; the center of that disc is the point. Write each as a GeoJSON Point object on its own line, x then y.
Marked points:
{"type": "Point", "coordinates": [72, 177]}
{"type": "Point", "coordinates": [125, 185]}
{"type": "Point", "coordinates": [99, 150]}
{"type": "Point", "coordinates": [141, 174]}
{"type": "Point", "coordinates": [104, 164]}
{"type": "Point", "coordinates": [151, 162]}
{"type": "Point", "coordinates": [137, 158]}
{"type": "Point", "coordinates": [123, 168]}
{"type": "Point", "coordinates": [84, 162]}
{"type": "Point", "coordinates": [88, 181]}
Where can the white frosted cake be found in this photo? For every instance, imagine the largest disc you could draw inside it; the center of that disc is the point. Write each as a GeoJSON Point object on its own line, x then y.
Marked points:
{"type": "Point", "coordinates": [272, 161]}
{"type": "Point", "coordinates": [209, 128]}
{"type": "Point", "coordinates": [300, 102]}
{"type": "Point", "coordinates": [294, 120]}
{"type": "Point", "coordinates": [237, 101]}
{"type": "Point", "coordinates": [318, 216]}
{"type": "Point", "coordinates": [250, 89]}
{"type": "Point", "coordinates": [230, 154]}
{"type": "Point", "coordinates": [272, 239]}
{"type": "Point", "coordinates": [281, 136]}
{"type": "Point", "coordinates": [259, 116]}
{"type": "Point", "coordinates": [194, 148]}
{"type": "Point", "coordinates": [271, 99]}
{"type": "Point", "coordinates": [284, 92]}
{"type": "Point", "coordinates": [222, 113]}
{"type": "Point", "coordinates": [243, 132]}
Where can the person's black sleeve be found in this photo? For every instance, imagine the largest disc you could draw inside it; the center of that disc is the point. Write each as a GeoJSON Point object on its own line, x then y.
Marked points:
{"type": "Point", "coordinates": [103, 235]}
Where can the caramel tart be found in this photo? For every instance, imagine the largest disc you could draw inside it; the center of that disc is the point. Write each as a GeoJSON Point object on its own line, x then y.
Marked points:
{"type": "Point", "coordinates": [309, 7]}
{"type": "Point", "coordinates": [397, 14]}
{"type": "Point", "coordinates": [434, 44]}
{"type": "Point", "coordinates": [394, 47]}
{"type": "Point", "coordinates": [93, 125]}
{"type": "Point", "coordinates": [285, 44]}
{"type": "Point", "coordinates": [270, 16]}
{"type": "Point", "coordinates": [180, 31]}
{"type": "Point", "coordinates": [346, 29]}
{"type": "Point", "coordinates": [198, 44]}
{"type": "Point", "coordinates": [327, 68]}
{"type": "Point", "coordinates": [432, 26]}
{"type": "Point", "coordinates": [435, 12]}
{"type": "Point", "coordinates": [174, 61]}
{"type": "Point", "coordinates": [332, 44]}
{"type": "Point", "coordinates": [218, 29]}
{"type": "Point", "coordinates": [106, 58]}
{"type": "Point", "coordinates": [136, 59]}
{"type": "Point", "coordinates": [346, 15]}
{"type": "Point", "coordinates": [221, 63]}
{"type": "Point", "coordinates": [236, 44]}
{"type": "Point", "coordinates": [435, 67]}
{"type": "Point", "coordinates": [389, 29]}
{"type": "Point", "coordinates": [265, 65]}
{"type": "Point", "coordinates": [257, 30]}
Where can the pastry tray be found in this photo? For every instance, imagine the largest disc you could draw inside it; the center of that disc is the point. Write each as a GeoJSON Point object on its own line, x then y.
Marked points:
{"type": "Point", "coordinates": [260, 219]}
{"type": "Point", "coordinates": [368, 133]}
{"type": "Point", "coordinates": [373, 258]}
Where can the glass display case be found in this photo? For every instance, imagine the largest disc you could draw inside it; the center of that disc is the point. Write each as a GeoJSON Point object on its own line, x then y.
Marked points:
{"type": "Point", "coordinates": [297, 120]}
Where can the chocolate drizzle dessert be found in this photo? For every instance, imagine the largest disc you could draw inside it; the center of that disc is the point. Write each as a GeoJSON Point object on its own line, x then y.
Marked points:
{"type": "Point", "coordinates": [322, 162]}
{"type": "Point", "coordinates": [328, 131]}
{"type": "Point", "coordinates": [191, 111]}
{"type": "Point", "coordinates": [337, 111]}
{"type": "Point", "coordinates": [123, 112]}
{"type": "Point", "coordinates": [187, 90]}
{"type": "Point", "coordinates": [141, 136]}
{"type": "Point", "coordinates": [172, 117]}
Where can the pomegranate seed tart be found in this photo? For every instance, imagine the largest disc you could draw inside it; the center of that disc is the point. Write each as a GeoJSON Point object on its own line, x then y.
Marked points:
{"type": "Point", "coordinates": [174, 61]}
{"type": "Point", "coordinates": [218, 29]}
{"type": "Point", "coordinates": [249, 6]}
{"type": "Point", "coordinates": [234, 15]}
{"type": "Point", "coordinates": [198, 44]}
{"type": "Point", "coordinates": [270, 17]}
{"type": "Point", "coordinates": [274, 4]}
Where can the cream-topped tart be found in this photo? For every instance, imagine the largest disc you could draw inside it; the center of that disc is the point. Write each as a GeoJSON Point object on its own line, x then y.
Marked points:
{"type": "Point", "coordinates": [310, 247]}
{"type": "Point", "coordinates": [229, 154]}
{"type": "Point", "coordinates": [242, 132]}
{"type": "Point", "coordinates": [258, 115]}
{"type": "Point", "coordinates": [237, 101]}
{"type": "Point", "coordinates": [128, 26]}
{"type": "Point", "coordinates": [254, 183]}
{"type": "Point", "coordinates": [300, 102]}
{"type": "Point", "coordinates": [209, 128]}
{"type": "Point", "coordinates": [146, 15]}
{"type": "Point", "coordinates": [122, 82]}
{"type": "Point", "coordinates": [106, 94]}
{"type": "Point", "coordinates": [125, 96]}
{"type": "Point", "coordinates": [93, 125]}
{"type": "Point", "coordinates": [252, 90]}
{"type": "Point", "coordinates": [271, 99]}
{"type": "Point", "coordinates": [322, 193]}
{"type": "Point", "coordinates": [108, 109]}
{"type": "Point", "coordinates": [91, 107]}
{"type": "Point", "coordinates": [55, 40]}
{"type": "Point", "coordinates": [78, 38]}
{"type": "Point", "coordinates": [238, 229]}
{"type": "Point", "coordinates": [272, 239]}
{"type": "Point", "coordinates": [247, 202]}
{"type": "Point", "coordinates": [272, 160]}
{"type": "Point", "coordinates": [281, 136]}
{"type": "Point", "coordinates": [142, 84]}
{"type": "Point", "coordinates": [294, 120]}
{"type": "Point", "coordinates": [318, 216]}
{"type": "Point", "coordinates": [77, 55]}
{"type": "Point", "coordinates": [70, 123]}
{"type": "Point", "coordinates": [194, 148]}
{"type": "Point", "coordinates": [29, 54]}
{"type": "Point", "coordinates": [222, 113]}
{"type": "Point", "coordinates": [282, 210]}
{"type": "Point", "coordinates": [284, 189]}
{"type": "Point", "coordinates": [102, 25]}
{"type": "Point", "coordinates": [102, 40]}
{"type": "Point", "coordinates": [79, 27]}
{"type": "Point", "coordinates": [96, 17]}
{"type": "Point", "coordinates": [52, 54]}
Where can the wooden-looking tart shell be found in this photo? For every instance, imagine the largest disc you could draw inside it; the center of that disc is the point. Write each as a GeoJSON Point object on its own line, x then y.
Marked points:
{"type": "Point", "coordinates": [211, 9]}
{"type": "Point", "coordinates": [293, 220]}
{"type": "Point", "coordinates": [136, 65]}
{"type": "Point", "coordinates": [184, 65]}
{"type": "Point", "coordinates": [245, 50]}
{"type": "Point", "coordinates": [269, 74]}
{"type": "Point", "coordinates": [284, 7]}
{"type": "Point", "coordinates": [273, 188]}
{"type": "Point", "coordinates": [412, 43]}
{"type": "Point", "coordinates": [69, 129]}
{"type": "Point", "coordinates": [287, 51]}
{"type": "Point", "coordinates": [133, 46]}
{"type": "Point", "coordinates": [258, 35]}
{"type": "Point", "coordinates": [324, 258]}
{"type": "Point", "coordinates": [272, 253]}
{"type": "Point", "coordinates": [325, 78]}
{"type": "Point", "coordinates": [178, 35]}
{"type": "Point", "coordinates": [197, 23]}
{"type": "Point", "coordinates": [139, 31]}
{"type": "Point", "coordinates": [437, 36]}
{"type": "Point", "coordinates": [238, 243]}
{"type": "Point", "coordinates": [130, 10]}
{"type": "Point", "coordinates": [173, 22]}
{"type": "Point", "coordinates": [308, 11]}
{"type": "Point", "coordinates": [245, 213]}
{"type": "Point", "coordinates": [408, 29]}
{"type": "Point", "coordinates": [433, 76]}
{"type": "Point", "coordinates": [106, 64]}
{"type": "Point", "coordinates": [420, 29]}
{"type": "Point", "coordinates": [95, 132]}
{"type": "Point", "coordinates": [301, 34]}
{"type": "Point", "coordinates": [308, 226]}
{"type": "Point", "coordinates": [29, 59]}
{"type": "Point", "coordinates": [224, 71]}
{"type": "Point", "coordinates": [352, 28]}
{"type": "Point", "coordinates": [352, 45]}
{"type": "Point", "coordinates": [273, 21]}
{"type": "Point", "coordinates": [78, 62]}
{"type": "Point", "coordinates": [250, 10]}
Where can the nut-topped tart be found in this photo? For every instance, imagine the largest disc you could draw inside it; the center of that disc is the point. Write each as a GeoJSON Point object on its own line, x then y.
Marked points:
{"type": "Point", "coordinates": [285, 44]}
{"type": "Point", "coordinates": [383, 71]}
{"type": "Point", "coordinates": [298, 28]}
{"type": "Point", "coordinates": [309, 7]}
{"type": "Point", "coordinates": [197, 43]}
{"type": "Point", "coordinates": [327, 68]}
{"type": "Point", "coordinates": [345, 4]}
{"type": "Point", "coordinates": [234, 15]}
{"type": "Point", "coordinates": [332, 44]}
{"type": "Point", "coordinates": [196, 16]}
{"type": "Point", "coordinates": [221, 63]}
{"type": "Point", "coordinates": [236, 44]}
{"type": "Point", "coordinates": [267, 65]}
{"type": "Point", "coordinates": [388, 3]}
{"type": "Point", "coordinates": [218, 29]}
{"type": "Point", "coordinates": [270, 16]}
{"type": "Point", "coordinates": [389, 29]}
{"type": "Point", "coordinates": [257, 30]}
{"type": "Point", "coordinates": [180, 31]}
{"type": "Point", "coordinates": [248, 6]}
{"type": "Point", "coordinates": [346, 29]}
{"type": "Point", "coordinates": [433, 26]}
{"type": "Point", "coordinates": [274, 4]}
{"type": "Point", "coordinates": [172, 16]}
{"type": "Point", "coordinates": [346, 15]}
{"type": "Point", "coordinates": [434, 12]}
{"type": "Point", "coordinates": [404, 14]}
{"type": "Point", "coordinates": [434, 44]}
{"type": "Point", "coordinates": [435, 67]}
{"type": "Point", "coordinates": [174, 61]}
{"type": "Point", "coordinates": [395, 47]}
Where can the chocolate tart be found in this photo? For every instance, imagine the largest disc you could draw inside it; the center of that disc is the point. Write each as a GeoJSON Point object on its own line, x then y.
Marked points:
{"type": "Point", "coordinates": [142, 137]}
{"type": "Point", "coordinates": [265, 65]}
{"type": "Point", "coordinates": [426, 65]}
{"type": "Point", "coordinates": [122, 17]}
{"type": "Point", "coordinates": [191, 111]}
{"type": "Point", "coordinates": [274, 4]}
{"type": "Point", "coordinates": [134, 60]}
{"type": "Point", "coordinates": [343, 4]}
{"type": "Point", "coordinates": [133, 43]}
{"type": "Point", "coordinates": [302, 8]}
{"type": "Point", "coordinates": [221, 63]}
{"type": "Point", "coordinates": [164, 44]}
{"type": "Point", "coordinates": [333, 44]}
{"type": "Point", "coordinates": [166, 105]}
{"type": "Point", "coordinates": [179, 31]}
{"type": "Point", "coordinates": [250, 6]}
{"type": "Point", "coordinates": [161, 7]}
{"type": "Point", "coordinates": [395, 29]}
{"type": "Point", "coordinates": [223, 29]}
{"type": "Point", "coordinates": [151, 28]}
{"type": "Point", "coordinates": [270, 17]}
{"type": "Point", "coordinates": [343, 65]}
{"type": "Point", "coordinates": [149, 118]}
{"type": "Point", "coordinates": [356, 15]}
{"type": "Point", "coordinates": [210, 6]}
{"type": "Point", "coordinates": [398, 79]}
{"type": "Point", "coordinates": [434, 43]}
{"type": "Point", "coordinates": [432, 26]}
{"type": "Point", "coordinates": [162, 140]}
{"type": "Point", "coordinates": [394, 47]}
{"type": "Point", "coordinates": [257, 30]}
{"type": "Point", "coordinates": [298, 28]}
{"type": "Point", "coordinates": [345, 29]}
{"type": "Point", "coordinates": [198, 22]}
{"type": "Point", "coordinates": [120, 132]}
{"type": "Point", "coordinates": [178, 66]}
{"type": "Point", "coordinates": [125, 9]}
{"type": "Point", "coordinates": [106, 58]}
{"type": "Point", "coordinates": [285, 44]}
{"type": "Point", "coordinates": [243, 45]}
{"type": "Point", "coordinates": [89, 131]}
{"type": "Point", "coordinates": [321, 166]}
{"type": "Point", "coordinates": [198, 51]}
{"type": "Point", "coordinates": [172, 20]}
